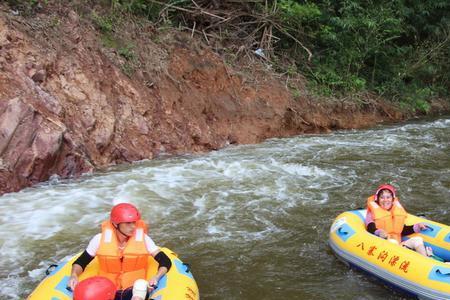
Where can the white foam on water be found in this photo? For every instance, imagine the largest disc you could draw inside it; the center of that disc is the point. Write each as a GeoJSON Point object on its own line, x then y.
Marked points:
{"type": "Point", "coordinates": [300, 170]}
{"type": "Point", "coordinates": [10, 287]}
{"type": "Point", "coordinates": [200, 205]}
{"type": "Point", "coordinates": [227, 197]}
{"type": "Point", "coordinates": [37, 273]}
{"type": "Point", "coordinates": [214, 230]}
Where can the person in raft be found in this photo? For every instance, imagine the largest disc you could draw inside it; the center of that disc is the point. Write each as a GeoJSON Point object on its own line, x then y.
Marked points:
{"type": "Point", "coordinates": [386, 219]}
{"type": "Point", "coordinates": [123, 248]}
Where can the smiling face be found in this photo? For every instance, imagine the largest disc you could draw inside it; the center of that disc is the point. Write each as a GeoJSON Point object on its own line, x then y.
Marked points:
{"type": "Point", "coordinates": [385, 199]}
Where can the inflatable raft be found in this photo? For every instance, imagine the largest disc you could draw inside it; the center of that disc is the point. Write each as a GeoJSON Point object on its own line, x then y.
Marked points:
{"type": "Point", "coordinates": [178, 283]}
{"type": "Point", "coordinates": [404, 269]}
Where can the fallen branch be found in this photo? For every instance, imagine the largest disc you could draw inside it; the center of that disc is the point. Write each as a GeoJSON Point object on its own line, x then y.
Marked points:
{"type": "Point", "coordinates": [185, 10]}
{"type": "Point", "coordinates": [236, 22]}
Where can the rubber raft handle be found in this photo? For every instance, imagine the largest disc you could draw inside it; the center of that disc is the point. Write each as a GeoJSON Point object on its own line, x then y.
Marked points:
{"type": "Point", "coordinates": [188, 267]}
{"type": "Point", "coordinates": [50, 269]}
{"type": "Point", "coordinates": [341, 231]}
{"type": "Point", "coordinates": [428, 228]}
{"type": "Point", "coordinates": [442, 273]}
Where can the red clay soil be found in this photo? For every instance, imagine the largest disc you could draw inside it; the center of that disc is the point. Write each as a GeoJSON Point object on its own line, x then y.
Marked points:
{"type": "Point", "coordinates": [66, 106]}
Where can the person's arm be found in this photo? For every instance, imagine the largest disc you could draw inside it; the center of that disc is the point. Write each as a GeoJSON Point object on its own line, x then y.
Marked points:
{"type": "Point", "coordinates": [372, 228]}
{"type": "Point", "coordinates": [163, 260]}
{"type": "Point", "coordinates": [83, 260]}
{"type": "Point", "coordinates": [78, 267]}
{"type": "Point", "coordinates": [408, 229]}
{"type": "Point", "coordinates": [164, 266]}
{"type": "Point", "coordinates": [73, 280]}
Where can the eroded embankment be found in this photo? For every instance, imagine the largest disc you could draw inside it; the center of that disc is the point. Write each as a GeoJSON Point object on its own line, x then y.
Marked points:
{"type": "Point", "coordinates": [67, 107]}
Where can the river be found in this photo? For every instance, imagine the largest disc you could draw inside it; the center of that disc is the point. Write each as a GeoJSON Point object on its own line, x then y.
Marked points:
{"type": "Point", "coordinates": [252, 221]}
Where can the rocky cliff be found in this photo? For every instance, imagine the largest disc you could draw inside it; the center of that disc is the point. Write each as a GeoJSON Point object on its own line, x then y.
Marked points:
{"type": "Point", "coordinates": [67, 107]}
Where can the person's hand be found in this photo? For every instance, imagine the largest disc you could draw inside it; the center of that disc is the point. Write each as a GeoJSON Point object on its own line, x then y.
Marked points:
{"type": "Point", "coordinates": [382, 234]}
{"type": "Point", "coordinates": [422, 226]}
{"type": "Point", "coordinates": [153, 283]}
{"type": "Point", "coordinates": [73, 281]}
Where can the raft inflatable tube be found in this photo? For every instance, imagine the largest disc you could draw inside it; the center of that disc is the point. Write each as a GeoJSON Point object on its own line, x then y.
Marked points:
{"type": "Point", "coordinates": [178, 283]}
{"type": "Point", "coordinates": [399, 267]}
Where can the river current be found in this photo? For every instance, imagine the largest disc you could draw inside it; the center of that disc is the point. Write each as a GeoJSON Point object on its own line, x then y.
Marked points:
{"type": "Point", "coordinates": [252, 221]}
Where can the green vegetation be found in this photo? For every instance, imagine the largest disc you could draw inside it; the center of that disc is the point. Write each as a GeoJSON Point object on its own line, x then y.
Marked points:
{"type": "Point", "coordinates": [399, 49]}
{"type": "Point", "coordinates": [106, 23]}
{"type": "Point", "coordinates": [396, 49]}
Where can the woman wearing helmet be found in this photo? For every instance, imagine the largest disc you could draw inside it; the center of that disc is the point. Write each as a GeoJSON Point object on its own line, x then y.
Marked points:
{"type": "Point", "coordinates": [386, 219]}
{"type": "Point", "coordinates": [122, 249]}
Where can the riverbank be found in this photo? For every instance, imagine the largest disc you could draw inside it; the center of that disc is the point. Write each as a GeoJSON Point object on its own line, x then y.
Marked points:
{"type": "Point", "coordinates": [74, 99]}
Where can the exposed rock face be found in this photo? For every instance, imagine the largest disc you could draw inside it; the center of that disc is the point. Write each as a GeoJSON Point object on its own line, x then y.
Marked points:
{"type": "Point", "coordinates": [66, 109]}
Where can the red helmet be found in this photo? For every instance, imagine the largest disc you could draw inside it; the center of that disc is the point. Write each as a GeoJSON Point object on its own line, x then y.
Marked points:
{"type": "Point", "coordinates": [385, 187]}
{"type": "Point", "coordinates": [124, 212]}
{"type": "Point", "coordinates": [95, 288]}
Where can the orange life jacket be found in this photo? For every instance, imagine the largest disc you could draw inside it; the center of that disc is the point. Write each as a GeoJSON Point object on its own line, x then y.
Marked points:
{"type": "Point", "coordinates": [392, 221]}
{"type": "Point", "coordinates": [123, 266]}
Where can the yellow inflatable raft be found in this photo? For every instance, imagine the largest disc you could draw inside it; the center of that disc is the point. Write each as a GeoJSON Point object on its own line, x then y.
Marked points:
{"type": "Point", "coordinates": [404, 269]}
{"type": "Point", "coordinates": [177, 284]}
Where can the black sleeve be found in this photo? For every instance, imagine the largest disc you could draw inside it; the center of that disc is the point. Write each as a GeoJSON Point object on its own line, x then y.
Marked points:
{"type": "Point", "coordinates": [408, 229]}
{"type": "Point", "coordinates": [371, 227]}
{"type": "Point", "coordinates": [163, 260]}
{"type": "Point", "coordinates": [83, 260]}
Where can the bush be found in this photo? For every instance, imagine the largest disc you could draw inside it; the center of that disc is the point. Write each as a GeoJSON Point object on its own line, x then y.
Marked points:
{"type": "Point", "coordinates": [388, 47]}
{"type": "Point", "coordinates": [379, 46]}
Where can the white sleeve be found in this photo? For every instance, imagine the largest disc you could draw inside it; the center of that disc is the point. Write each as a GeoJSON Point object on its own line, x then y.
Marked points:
{"type": "Point", "coordinates": [151, 246]}
{"type": "Point", "coordinates": [93, 245]}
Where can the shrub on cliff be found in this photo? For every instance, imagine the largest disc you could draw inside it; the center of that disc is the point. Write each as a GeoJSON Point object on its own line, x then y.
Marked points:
{"type": "Point", "coordinates": [393, 48]}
